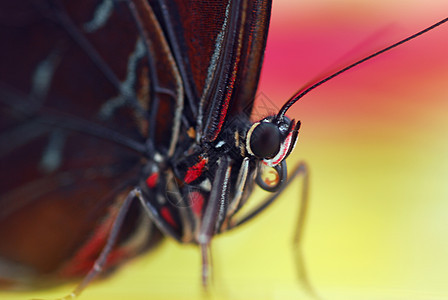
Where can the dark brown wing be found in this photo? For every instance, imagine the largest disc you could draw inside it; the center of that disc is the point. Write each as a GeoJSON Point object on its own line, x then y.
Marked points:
{"type": "Point", "coordinates": [219, 47]}
{"type": "Point", "coordinates": [74, 100]}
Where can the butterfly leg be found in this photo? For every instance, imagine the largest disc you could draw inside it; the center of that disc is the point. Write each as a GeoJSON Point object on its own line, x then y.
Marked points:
{"type": "Point", "coordinates": [101, 261]}
{"type": "Point", "coordinates": [301, 170]}
{"type": "Point", "coordinates": [214, 215]}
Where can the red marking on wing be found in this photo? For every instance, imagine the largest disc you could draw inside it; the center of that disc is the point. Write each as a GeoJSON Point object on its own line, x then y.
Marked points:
{"type": "Point", "coordinates": [83, 260]}
{"type": "Point", "coordinates": [197, 202]}
{"type": "Point", "coordinates": [168, 217]}
{"type": "Point", "coordinates": [152, 179]}
{"type": "Point", "coordinates": [225, 105]}
{"type": "Point", "coordinates": [195, 171]}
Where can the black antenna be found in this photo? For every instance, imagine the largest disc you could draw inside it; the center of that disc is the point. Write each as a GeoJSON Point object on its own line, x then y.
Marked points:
{"type": "Point", "coordinates": [306, 90]}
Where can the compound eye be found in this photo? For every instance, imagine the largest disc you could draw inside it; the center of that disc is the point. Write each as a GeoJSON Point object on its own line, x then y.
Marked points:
{"type": "Point", "coordinates": [265, 140]}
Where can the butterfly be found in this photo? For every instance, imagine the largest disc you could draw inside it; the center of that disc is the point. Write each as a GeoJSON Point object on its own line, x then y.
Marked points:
{"type": "Point", "coordinates": [130, 109]}
{"type": "Point", "coordinates": [189, 134]}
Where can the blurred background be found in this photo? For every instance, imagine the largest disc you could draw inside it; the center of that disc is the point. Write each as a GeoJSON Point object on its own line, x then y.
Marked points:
{"type": "Point", "coordinates": [376, 142]}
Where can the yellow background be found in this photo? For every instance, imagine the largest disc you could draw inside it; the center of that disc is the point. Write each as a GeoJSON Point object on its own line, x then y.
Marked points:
{"type": "Point", "coordinates": [376, 141]}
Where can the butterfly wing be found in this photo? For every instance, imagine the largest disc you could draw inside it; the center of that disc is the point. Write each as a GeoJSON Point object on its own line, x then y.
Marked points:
{"type": "Point", "coordinates": [74, 92]}
{"type": "Point", "coordinates": [219, 47]}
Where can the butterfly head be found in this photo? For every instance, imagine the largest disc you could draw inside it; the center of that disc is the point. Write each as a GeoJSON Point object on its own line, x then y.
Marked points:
{"type": "Point", "coordinates": [272, 139]}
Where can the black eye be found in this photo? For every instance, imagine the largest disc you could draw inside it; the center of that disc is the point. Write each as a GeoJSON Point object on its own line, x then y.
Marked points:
{"type": "Point", "coordinates": [265, 140]}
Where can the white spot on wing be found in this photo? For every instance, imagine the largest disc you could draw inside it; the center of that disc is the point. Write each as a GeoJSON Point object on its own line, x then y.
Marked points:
{"type": "Point", "coordinates": [206, 185]}
{"type": "Point", "coordinates": [158, 157]}
{"type": "Point", "coordinates": [52, 155]}
{"type": "Point", "coordinates": [42, 76]}
{"type": "Point", "coordinates": [220, 144]}
{"type": "Point", "coordinates": [100, 17]}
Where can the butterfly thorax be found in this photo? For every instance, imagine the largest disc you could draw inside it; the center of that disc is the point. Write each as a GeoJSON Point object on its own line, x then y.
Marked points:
{"type": "Point", "coordinates": [201, 188]}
